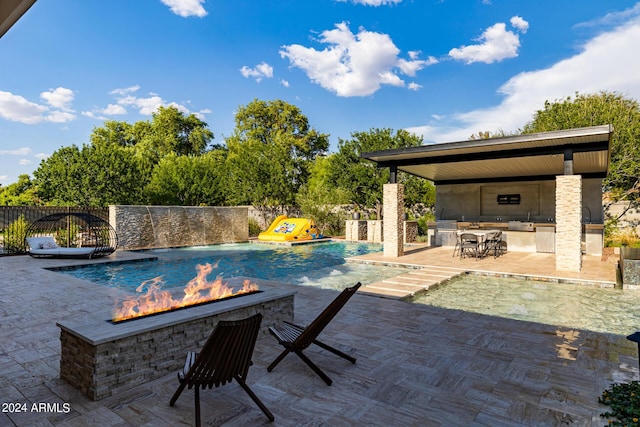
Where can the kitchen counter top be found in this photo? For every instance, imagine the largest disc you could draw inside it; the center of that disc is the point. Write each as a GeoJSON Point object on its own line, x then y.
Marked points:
{"type": "Point", "coordinates": [504, 225]}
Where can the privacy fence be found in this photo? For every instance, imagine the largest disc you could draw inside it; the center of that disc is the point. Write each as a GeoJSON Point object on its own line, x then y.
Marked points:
{"type": "Point", "coordinates": [15, 221]}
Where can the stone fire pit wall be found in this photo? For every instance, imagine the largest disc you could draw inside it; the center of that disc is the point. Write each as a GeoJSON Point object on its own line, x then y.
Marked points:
{"type": "Point", "coordinates": [148, 227]}
{"type": "Point", "coordinates": [102, 359]}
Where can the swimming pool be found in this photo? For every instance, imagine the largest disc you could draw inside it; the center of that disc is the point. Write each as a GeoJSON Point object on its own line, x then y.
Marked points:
{"type": "Point", "coordinates": [319, 264]}
{"type": "Point", "coordinates": [615, 311]}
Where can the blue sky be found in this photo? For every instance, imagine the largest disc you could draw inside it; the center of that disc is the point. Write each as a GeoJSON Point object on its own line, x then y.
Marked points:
{"type": "Point", "coordinates": [443, 69]}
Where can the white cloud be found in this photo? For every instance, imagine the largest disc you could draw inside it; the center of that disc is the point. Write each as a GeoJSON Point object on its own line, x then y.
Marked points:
{"type": "Point", "coordinates": [16, 108]}
{"type": "Point", "coordinates": [411, 67]}
{"type": "Point", "coordinates": [284, 83]}
{"type": "Point", "coordinates": [126, 97]}
{"type": "Point", "coordinates": [59, 98]}
{"type": "Point", "coordinates": [186, 8]}
{"type": "Point", "coordinates": [125, 91]}
{"type": "Point", "coordinates": [259, 72]}
{"type": "Point", "coordinates": [354, 64]}
{"type": "Point", "coordinates": [60, 117]}
{"type": "Point", "coordinates": [496, 44]}
{"type": "Point", "coordinates": [24, 162]}
{"type": "Point", "coordinates": [613, 19]}
{"type": "Point", "coordinates": [18, 152]}
{"type": "Point", "coordinates": [114, 109]}
{"type": "Point", "coordinates": [414, 86]}
{"type": "Point", "coordinates": [373, 2]}
{"type": "Point", "coordinates": [519, 23]}
{"type": "Point", "coordinates": [145, 106]}
{"type": "Point", "coordinates": [604, 64]}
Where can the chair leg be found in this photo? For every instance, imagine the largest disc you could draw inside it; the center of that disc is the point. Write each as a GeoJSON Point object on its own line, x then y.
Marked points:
{"type": "Point", "coordinates": [313, 366]}
{"type": "Point", "coordinates": [253, 396]}
{"type": "Point", "coordinates": [176, 395]}
{"type": "Point", "coordinates": [278, 359]}
{"type": "Point", "coordinates": [335, 351]}
{"type": "Point", "coordinates": [197, 399]}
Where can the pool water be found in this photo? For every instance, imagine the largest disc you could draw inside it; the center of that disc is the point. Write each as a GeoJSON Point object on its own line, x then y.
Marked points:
{"type": "Point", "coordinates": [320, 264]}
{"type": "Point", "coordinates": [609, 310]}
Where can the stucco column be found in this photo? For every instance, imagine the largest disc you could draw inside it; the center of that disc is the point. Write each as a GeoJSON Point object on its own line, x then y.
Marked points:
{"type": "Point", "coordinates": [393, 215]}
{"type": "Point", "coordinates": [568, 222]}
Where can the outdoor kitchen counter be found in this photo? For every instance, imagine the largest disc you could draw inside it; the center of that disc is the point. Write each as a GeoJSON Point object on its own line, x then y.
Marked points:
{"type": "Point", "coordinates": [521, 236]}
{"type": "Point", "coordinates": [504, 225]}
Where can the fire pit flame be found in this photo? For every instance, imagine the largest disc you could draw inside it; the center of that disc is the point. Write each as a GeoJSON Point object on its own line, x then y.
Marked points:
{"type": "Point", "coordinates": [197, 291]}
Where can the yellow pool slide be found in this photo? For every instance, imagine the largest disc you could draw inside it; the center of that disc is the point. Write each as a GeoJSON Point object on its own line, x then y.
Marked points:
{"type": "Point", "coordinates": [284, 229]}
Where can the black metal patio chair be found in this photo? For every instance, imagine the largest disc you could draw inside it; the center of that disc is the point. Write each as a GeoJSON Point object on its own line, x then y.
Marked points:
{"type": "Point", "coordinates": [493, 242]}
{"type": "Point", "coordinates": [470, 245]}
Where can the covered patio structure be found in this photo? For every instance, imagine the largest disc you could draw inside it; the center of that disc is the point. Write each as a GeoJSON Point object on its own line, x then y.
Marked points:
{"type": "Point", "coordinates": [11, 11]}
{"type": "Point", "coordinates": [543, 189]}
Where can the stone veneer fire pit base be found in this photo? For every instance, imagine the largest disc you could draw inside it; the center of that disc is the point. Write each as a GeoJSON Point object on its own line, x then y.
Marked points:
{"type": "Point", "coordinates": [102, 359]}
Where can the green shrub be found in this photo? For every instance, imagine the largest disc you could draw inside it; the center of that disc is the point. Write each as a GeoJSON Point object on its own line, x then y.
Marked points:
{"type": "Point", "coordinates": [622, 237]}
{"type": "Point", "coordinates": [254, 228]}
{"type": "Point", "coordinates": [14, 236]}
{"type": "Point", "coordinates": [422, 223]}
{"type": "Point", "coordinates": [624, 400]}
{"type": "Point", "coordinates": [66, 237]}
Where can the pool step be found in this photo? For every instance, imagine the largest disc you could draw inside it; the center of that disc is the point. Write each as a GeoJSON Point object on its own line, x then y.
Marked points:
{"type": "Point", "coordinates": [413, 281]}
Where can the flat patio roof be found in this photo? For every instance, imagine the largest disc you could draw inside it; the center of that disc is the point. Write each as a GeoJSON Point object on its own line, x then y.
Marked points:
{"type": "Point", "coordinates": [512, 158]}
{"type": "Point", "coordinates": [11, 11]}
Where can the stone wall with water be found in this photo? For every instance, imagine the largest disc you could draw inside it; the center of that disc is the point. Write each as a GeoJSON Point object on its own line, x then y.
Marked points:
{"type": "Point", "coordinates": [147, 227]}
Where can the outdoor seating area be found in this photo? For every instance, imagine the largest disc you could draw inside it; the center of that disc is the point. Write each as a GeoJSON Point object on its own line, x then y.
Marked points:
{"type": "Point", "coordinates": [71, 235]}
{"type": "Point", "coordinates": [479, 244]}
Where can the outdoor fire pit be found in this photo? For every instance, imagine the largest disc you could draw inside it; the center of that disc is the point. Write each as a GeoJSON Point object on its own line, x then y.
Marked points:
{"type": "Point", "coordinates": [101, 358]}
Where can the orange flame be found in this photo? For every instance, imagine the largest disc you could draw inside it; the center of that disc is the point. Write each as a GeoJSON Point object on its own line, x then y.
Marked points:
{"type": "Point", "coordinates": [197, 291]}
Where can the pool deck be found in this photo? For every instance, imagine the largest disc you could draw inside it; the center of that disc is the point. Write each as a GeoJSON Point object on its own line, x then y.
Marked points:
{"type": "Point", "coordinates": [416, 364]}
{"type": "Point", "coordinates": [430, 266]}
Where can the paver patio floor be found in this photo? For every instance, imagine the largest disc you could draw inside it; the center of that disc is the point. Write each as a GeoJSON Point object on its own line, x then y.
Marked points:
{"type": "Point", "coordinates": [417, 365]}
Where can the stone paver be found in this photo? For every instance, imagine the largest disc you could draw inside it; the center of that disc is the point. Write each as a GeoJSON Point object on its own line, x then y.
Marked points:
{"type": "Point", "coordinates": [417, 365]}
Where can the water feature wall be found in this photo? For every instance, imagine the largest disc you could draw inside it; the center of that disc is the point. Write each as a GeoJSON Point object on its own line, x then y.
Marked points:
{"type": "Point", "coordinates": [147, 227]}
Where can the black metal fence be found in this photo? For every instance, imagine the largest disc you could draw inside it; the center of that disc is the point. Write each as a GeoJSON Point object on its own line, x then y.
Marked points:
{"type": "Point", "coordinates": [15, 221]}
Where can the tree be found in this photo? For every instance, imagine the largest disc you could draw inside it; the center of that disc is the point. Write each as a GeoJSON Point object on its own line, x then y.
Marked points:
{"type": "Point", "coordinates": [319, 197]}
{"type": "Point", "coordinates": [119, 162]}
{"type": "Point", "coordinates": [96, 175]}
{"type": "Point", "coordinates": [170, 131]}
{"type": "Point", "coordinates": [59, 177]}
{"type": "Point", "coordinates": [623, 179]}
{"type": "Point", "coordinates": [487, 134]}
{"type": "Point", "coordinates": [270, 154]}
{"type": "Point", "coordinates": [21, 193]}
{"type": "Point", "coordinates": [189, 180]}
{"type": "Point", "coordinates": [362, 179]}
{"type": "Point", "coordinates": [114, 132]}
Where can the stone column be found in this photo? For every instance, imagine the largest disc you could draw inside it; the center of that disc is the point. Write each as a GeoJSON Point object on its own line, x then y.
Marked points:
{"type": "Point", "coordinates": [568, 222]}
{"type": "Point", "coordinates": [393, 215]}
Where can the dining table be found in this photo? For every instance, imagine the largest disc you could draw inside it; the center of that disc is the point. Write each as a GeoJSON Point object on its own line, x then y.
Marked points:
{"type": "Point", "coordinates": [482, 238]}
